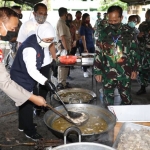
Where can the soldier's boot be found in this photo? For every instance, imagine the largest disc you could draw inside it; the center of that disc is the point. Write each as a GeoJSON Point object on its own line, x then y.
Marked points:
{"type": "Point", "coordinates": [142, 90]}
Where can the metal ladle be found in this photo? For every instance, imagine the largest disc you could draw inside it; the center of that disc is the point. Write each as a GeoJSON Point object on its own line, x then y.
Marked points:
{"type": "Point", "coordinates": [67, 119]}
{"type": "Point", "coordinates": [71, 114]}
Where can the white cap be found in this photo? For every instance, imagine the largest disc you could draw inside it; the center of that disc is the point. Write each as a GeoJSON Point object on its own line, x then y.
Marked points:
{"type": "Point", "coordinates": [44, 30]}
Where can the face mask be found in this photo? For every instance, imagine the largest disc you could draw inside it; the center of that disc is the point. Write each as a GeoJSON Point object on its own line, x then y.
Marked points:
{"type": "Point", "coordinates": [87, 21]}
{"type": "Point", "coordinates": [132, 24]}
{"type": "Point", "coordinates": [9, 36]}
{"type": "Point", "coordinates": [98, 16]}
{"type": "Point", "coordinates": [115, 26]}
{"type": "Point", "coordinates": [44, 44]}
{"type": "Point", "coordinates": [78, 17]}
{"type": "Point", "coordinates": [40, 18]}
{"type": "Point", "coordinates": [68, 23]}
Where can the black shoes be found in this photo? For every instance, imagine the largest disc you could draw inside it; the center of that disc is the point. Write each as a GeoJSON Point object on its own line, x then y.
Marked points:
{"type": "Point", "coordinates": [60, 86]}
{"type": "Point", "coordinates": [37, 112]}
{"type": "Point", "coordinates": [141, 91]}
{"type": "Point", "coordinates": [34, 137]}
{"type": "Point", "coordinates": [21, 129]}
{"type": "Point", "coordinates": [68, 85]}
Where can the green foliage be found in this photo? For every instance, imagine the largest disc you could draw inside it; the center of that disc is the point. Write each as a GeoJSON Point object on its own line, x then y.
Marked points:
{"type": "Point", "coordinates": [105, 4]}
{"type": "Point", "coordinates": [11, 3]}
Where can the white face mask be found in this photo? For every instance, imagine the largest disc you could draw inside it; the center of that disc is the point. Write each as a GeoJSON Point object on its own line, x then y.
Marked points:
{"type": "Point", "coordinates": [44, 44]}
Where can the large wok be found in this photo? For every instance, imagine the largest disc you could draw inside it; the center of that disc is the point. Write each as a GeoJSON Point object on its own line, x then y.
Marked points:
{"type": "Point", "coordinates": [94, 110]}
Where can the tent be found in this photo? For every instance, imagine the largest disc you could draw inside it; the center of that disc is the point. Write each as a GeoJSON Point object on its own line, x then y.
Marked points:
{"type": "Point", "coordinates": [136, 2]}
{"type": "Point", "coordinates": [129, 2]}
{"type": "Point", "coordinates": [28, 2]}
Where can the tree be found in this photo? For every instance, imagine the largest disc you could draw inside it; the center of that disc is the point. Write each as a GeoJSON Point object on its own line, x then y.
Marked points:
{"type": "Point", "coordinates": [105, 4]}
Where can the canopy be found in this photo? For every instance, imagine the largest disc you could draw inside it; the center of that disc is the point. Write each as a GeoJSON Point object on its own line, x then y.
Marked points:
{"type": "Point", "coordinates": [28, 2]}
{"type": "Point", "coordinates": [136, 2]}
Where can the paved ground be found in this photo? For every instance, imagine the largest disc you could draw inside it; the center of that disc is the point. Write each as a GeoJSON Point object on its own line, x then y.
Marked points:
{"type": "Point", "coordinates": [9, 133]}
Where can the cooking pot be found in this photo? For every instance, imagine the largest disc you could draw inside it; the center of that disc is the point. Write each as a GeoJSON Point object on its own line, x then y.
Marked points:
{"type": "Point", "coordinates": [76, 99]}
{"type": "Point", "coordinates": [83, 146]}
{"type": "Point", "coordinates": [80, 145]}
{"type": "Point", "coordinates": [70, 59]}
{"type": "Point", "coordinates": [93, 110]}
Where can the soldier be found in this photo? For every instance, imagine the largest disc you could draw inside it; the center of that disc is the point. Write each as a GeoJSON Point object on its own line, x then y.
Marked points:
{"type": "Point", "coordinates": [131, 25]}
{"type": "Point", "coordinates": [115, 62]}
{"type": "Point", "coordinates": [144, 46]}
{"type": "Point", "coordinates": [97, 24]}
{"type": "Point", "coordinates": [103, 23]}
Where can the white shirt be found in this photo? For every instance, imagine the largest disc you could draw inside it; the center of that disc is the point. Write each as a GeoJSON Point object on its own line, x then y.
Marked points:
{"type": "Point", "coordinates": [29, 57]}
{"type": "Point", "coordinates": [28, 28]}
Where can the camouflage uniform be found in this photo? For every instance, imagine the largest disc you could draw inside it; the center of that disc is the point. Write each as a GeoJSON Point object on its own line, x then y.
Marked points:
{"type": "Point", "coordinates": [102, 25]}
{"type": "Point", "coordinates": [116, 62]}
{"type": "Point", "coordinates": [96, 26]}
{"type": "Point", "coordinates": [144, 47]}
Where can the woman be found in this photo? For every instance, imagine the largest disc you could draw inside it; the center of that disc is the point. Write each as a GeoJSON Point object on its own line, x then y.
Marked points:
{"type": "Point", "coordinates": [8, 22]}
{"type": "Point", "coordinates": [26, 72]}
{"type": "Point", "coordinates": [86, 42]}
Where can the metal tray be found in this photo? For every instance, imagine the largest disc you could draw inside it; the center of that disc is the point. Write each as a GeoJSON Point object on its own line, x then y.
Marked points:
{"type": "Point", "coordinates": [133, 126]}
{"type": "Point", "coordinates": [87, 59]}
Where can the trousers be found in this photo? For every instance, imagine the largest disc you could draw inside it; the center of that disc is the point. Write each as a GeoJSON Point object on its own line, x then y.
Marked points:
{"type": "Point", "coordinates": [62, 74]}
{"type": "Point", "coordinates": [124, 88]}
{"type": "Point", "coordinates": [26, 118]}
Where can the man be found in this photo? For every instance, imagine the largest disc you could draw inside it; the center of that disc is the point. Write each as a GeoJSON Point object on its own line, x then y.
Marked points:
{"type": "Point", "coordinates": [12, 36]}
{"type": "Point", "coordinates": [96, 26]}
{"type": "Point", "coordinates": [144, 46]}
{"type": "Point", "coordinates": [132, 22]}
{"type": "Point", "coordinates": [27, 29]}
{"type": "Point", "coordinates": [115, 62]}
{"type": "Point", "coordinates": [64, 37]}
{"type": "Point", "coordinates": [77, 24]}
{"type": "Point", "coordinates": [25, 71]}
{"type": "Point", "coordinates": [8, 22]}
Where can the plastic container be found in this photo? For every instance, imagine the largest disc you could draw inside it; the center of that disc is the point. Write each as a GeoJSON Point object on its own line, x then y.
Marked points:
{"type": "Point", "coordinates": [117, 98]}
{"type": "Point", "coordinates": [68, 59]}
{"type": "Point", "coordinates": [101, 96]}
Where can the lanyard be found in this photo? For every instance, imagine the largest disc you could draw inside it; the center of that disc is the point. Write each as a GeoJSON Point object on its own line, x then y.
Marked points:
{"type": "Point", "coordinates": [116, 40]}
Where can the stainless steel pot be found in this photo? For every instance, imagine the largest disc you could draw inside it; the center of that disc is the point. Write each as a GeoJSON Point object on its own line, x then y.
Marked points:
{"type": "Point", "coordinates": [83, 146]}
{"type": "Point", "coordinates": [93, 110]}
{"type": "Point", "coordinates": [80, 145]}
{"type": "Point", "coordinates": [76, 99]}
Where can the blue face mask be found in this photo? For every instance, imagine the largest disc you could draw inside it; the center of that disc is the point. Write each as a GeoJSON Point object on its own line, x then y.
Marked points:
{"type": "Point", "coordinates": [132, 24]}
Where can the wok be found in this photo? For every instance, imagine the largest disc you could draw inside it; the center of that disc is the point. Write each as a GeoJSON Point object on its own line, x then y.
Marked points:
{"type": "Point", "coordinates": [76, 99]}
{"type": "Point", "coordinates": [94, 110]}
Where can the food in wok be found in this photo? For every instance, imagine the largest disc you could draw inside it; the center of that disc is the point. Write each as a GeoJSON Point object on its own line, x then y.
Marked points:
{"type": "Point", "coordinates": [94, 125]}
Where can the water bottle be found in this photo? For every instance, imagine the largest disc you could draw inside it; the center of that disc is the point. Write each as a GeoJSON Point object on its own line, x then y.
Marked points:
{"type": "Point", "coordinates": [101, 96]}
{"type": "Point", "coordinates": [77, 53]}
{"type": "Point", "coordinates": [117, 98]}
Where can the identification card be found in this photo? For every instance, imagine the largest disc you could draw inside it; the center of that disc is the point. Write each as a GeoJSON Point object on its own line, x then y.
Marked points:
{"type": "Point", "coordinates": [77, 32]}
